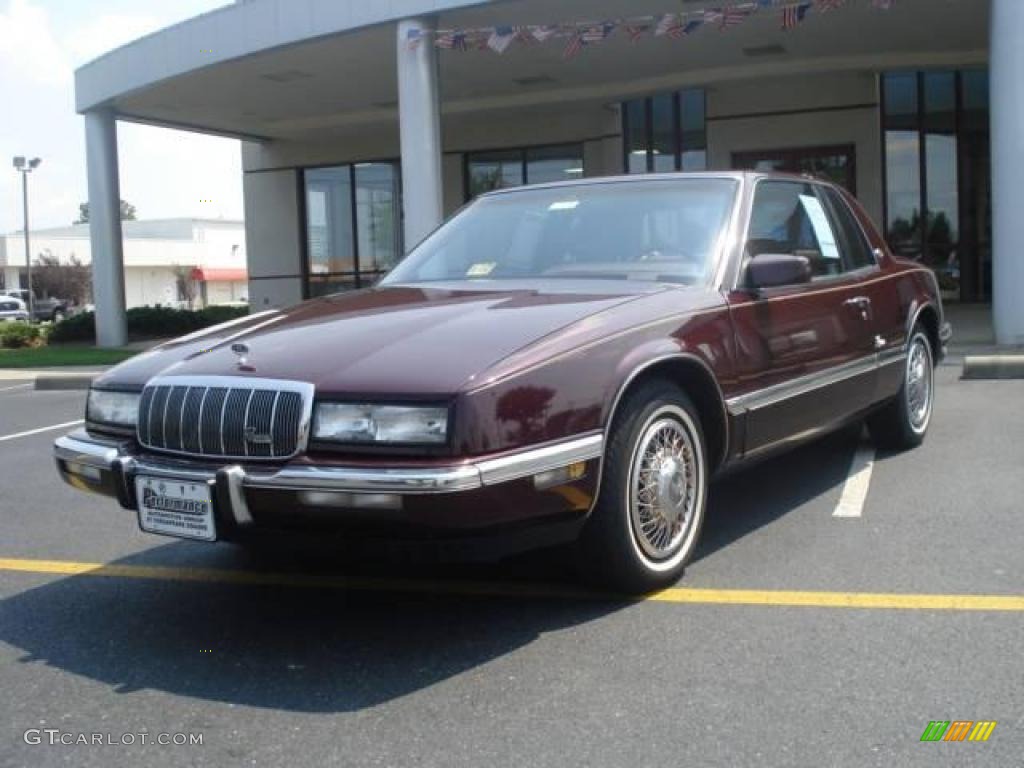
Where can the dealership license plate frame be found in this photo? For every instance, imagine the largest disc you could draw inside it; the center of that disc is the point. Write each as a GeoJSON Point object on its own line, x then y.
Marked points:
{"type": "Point", "coordinates": [176, 523]}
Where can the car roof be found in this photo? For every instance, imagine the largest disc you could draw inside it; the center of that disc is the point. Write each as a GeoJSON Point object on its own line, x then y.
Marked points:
{"type": "Point", "coordinates": [748, 177]}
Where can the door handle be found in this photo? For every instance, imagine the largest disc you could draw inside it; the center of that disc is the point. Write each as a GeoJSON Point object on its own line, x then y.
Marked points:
{"type": "Point", "coordinates": [860, 303]}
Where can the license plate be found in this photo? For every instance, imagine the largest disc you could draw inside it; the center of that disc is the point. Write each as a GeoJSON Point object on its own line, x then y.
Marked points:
{"type": "Point", "coordinates": [175, 508]}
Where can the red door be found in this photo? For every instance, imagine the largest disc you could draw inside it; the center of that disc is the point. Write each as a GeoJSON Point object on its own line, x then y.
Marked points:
{"type": "Point", "coordinates": [805, 352]}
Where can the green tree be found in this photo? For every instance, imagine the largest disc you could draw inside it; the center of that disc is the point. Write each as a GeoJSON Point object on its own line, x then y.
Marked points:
{"type": "Point", "coordinates": [127, 212]}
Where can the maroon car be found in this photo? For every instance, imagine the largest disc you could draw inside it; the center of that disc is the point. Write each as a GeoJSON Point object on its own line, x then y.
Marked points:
{"type": "Point", "coordinates": [560, 363]}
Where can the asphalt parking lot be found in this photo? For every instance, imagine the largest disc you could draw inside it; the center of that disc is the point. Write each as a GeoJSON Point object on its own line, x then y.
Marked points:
{"type": "Point", "coordinates": [797, 637]}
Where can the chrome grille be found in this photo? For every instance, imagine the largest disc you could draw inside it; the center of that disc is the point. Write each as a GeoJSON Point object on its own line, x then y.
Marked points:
{"type": "Point", "coordinates": [225, 417]}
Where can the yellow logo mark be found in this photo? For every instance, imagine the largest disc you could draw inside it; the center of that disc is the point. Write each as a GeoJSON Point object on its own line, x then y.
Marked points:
{"type": "Point", "coordinates": [982, 730]}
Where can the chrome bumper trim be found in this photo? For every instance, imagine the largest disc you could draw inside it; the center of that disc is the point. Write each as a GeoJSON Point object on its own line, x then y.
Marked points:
{"type": "Point", "coordinates": [92, 453]}
{"type": "Point", "coordinates": [361, 480]}
{"type": "Point", "coordinates": [537, 460]}
{"type": "Point", "coordinates": [79, 448]}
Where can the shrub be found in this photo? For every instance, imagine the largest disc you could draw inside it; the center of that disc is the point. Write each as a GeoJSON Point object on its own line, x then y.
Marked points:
{"type": "Point", "coordinates": [148, 322]}
{"type": "Point", "coordinates": [79, 327]}
{"type": "Point", "coordinates": [17, 335]}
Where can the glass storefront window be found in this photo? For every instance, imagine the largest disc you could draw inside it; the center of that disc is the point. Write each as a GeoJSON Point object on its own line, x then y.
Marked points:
{"type": "Point", "coordinates": [544, 164]}
{"type": "Point", "coordinates": [635, 138]}
{"type": "Point", "coordinates": [903, 186]}
{"type": "Point", "coordinates": [694, 130]}
{"type": "Point", "coordinates": [665, 133]}
{"type": "Point", "coordinates": [975, 184]}
{"type": "Point", "coordinates": [495, 170]}
{"type": "Point", "coordinates": [900, 102]}
{"type": "Point", "coordinates": [376, 186]}
{"type": "Point", "coordinates": [937, 175]}
{"type": "Point", "coordinates": [942, 222]}
{"type": "Point", "coordinates": [329, 220]}
{"type": "Point", "coordinates": [486, 171]}
{"type": "Point", "coordinates": [352, 225]}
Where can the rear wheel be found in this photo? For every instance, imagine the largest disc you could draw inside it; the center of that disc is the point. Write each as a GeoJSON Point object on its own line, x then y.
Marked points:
{"type": "Point", "coordinates": [903, 423]}
{"type": "Point", "coordinates": [650, 510]}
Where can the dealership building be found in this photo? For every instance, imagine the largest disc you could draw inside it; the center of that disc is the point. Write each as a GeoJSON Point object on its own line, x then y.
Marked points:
{"type": "Point", "coordinates": [167, 262]}
{"type": "Point", "coordinates": [365, 123]}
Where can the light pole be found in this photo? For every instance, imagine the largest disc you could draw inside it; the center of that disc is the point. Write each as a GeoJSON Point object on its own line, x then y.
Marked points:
{"type": "Point", "coordinates": [25, 168]}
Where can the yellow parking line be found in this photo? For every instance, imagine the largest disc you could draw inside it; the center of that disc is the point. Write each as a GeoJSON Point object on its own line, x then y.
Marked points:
{"type": "Point", "coordinates": [896, 601]}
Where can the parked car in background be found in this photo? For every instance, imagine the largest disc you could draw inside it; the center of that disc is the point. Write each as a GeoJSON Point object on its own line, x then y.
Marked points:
{"type": "Point", "coordinates": [12, 310]}
{"type": "Point", "coordinates": [560, 363]}
{"type": "Point", "coordinates": [46, 309]}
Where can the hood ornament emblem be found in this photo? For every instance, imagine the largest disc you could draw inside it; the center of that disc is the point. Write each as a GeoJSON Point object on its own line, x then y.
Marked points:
{"type": "Point", "coordinates": [242, 350]}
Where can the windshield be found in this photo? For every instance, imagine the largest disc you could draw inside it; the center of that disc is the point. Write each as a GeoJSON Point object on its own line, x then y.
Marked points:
{"type": "Point", "coordinates": [661, 231]}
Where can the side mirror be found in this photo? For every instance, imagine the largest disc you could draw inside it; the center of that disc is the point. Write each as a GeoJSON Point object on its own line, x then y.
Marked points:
{"type": "Point", "coordinates": [769, 270]}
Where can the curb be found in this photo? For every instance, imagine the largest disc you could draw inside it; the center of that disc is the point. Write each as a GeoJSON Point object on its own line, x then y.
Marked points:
{"type": "Point", "coordinates": [993, 367]}
{"type": "Point", "coordinates": [67, 381]}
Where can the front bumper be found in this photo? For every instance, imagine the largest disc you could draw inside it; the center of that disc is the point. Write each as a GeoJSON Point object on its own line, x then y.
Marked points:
{"type": "Point", "coordinates": [454, 498]}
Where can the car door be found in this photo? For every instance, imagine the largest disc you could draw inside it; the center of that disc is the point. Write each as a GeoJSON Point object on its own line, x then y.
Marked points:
{"type": "Point", "coordinates": [804, 352]}
{"type": "Point", "coordinates": [888, 316]}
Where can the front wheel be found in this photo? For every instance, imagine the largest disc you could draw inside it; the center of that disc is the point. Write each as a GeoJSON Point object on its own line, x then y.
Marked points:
{"type": "Point", "coordinates": [903, 423]}
{"type": "Point", "coordinates": [650, 510]}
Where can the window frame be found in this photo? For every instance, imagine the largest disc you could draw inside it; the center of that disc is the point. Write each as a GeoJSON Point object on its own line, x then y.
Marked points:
{"type": "Point", "coordinates": [835, 199]}
{"type": "Point", "coordinates": [523, 153]}
{"type": "Point", "coordinates": [359, 277]}
{"type": "Point", "coordinates": [679, 145]}
{"type": "Point", "coordinates": [741, 282]}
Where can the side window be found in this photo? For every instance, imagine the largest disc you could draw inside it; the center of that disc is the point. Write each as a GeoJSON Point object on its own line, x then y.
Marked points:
{"type": "Point", "coordinates": [853, 244]}
{"type": "Point", "coordinates": [788, 217]}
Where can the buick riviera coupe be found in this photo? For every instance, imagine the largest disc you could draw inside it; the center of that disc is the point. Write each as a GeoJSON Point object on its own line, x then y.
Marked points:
{"type": "Point", "coordinates": [560, 364]}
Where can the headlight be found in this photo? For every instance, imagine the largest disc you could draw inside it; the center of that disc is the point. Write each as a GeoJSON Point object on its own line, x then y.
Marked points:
{"type": "Point", "coordinates": [117, 408]}
{"type": "Point", "coordinates": [351, 423]}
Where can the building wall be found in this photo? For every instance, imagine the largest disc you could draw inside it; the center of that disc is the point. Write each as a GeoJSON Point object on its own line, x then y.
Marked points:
{"type": "Point", "coordinates": [273, 236]}
{"type": "Point", "coordinates": [152, 252]}
{"type": "Point", "coordinates": [787, 113]}
{"type": "Point", "coordinates": [766, 114]}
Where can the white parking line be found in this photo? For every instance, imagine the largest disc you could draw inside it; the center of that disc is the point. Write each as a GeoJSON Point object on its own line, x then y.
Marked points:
{"type": "Point", "coordinates": [858, 480]}
{"type": "Point", "coordinates": [16, 435]}
{"type": "Point", "coordinates": [17, 386]}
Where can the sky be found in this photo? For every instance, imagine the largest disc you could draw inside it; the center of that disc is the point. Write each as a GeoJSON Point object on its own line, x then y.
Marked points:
{"type": "Point", "coordinates": [164, 173]}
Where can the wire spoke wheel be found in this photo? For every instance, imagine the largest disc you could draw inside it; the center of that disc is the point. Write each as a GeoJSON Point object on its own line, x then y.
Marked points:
{"type": "Point", "coordinates": [919, 384]}
{"type": "Point", "coordinates": [665, 483]}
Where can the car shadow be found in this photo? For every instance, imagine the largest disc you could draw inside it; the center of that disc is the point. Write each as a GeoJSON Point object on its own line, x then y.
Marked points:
{"type": "Point", "coordinates": [319, 650]}
{"type": "Point", "coordinates": [751, 498]}
{"type": "Point", "coordinates": [328, 650]}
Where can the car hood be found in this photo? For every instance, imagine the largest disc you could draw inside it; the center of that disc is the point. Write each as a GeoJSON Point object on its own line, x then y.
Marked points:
{"type": "Point", "coordinates": [393, 340]}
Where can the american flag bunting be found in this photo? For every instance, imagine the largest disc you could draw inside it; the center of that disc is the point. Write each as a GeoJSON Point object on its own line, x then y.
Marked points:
{"type": "Point", "coordinates": [792, 15]}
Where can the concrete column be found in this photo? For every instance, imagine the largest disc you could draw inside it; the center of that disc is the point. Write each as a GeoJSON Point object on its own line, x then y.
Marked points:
{"type": "Point", "coordinates": [1007, 105]}
{"type": "Point", "coordinates": [105, 228]}
{"type": "Point", "coordinates": [419, 118]}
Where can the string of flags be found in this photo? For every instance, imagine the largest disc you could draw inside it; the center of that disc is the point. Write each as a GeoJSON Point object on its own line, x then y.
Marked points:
{"type": "Point", "coordinates": [580, 35]}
